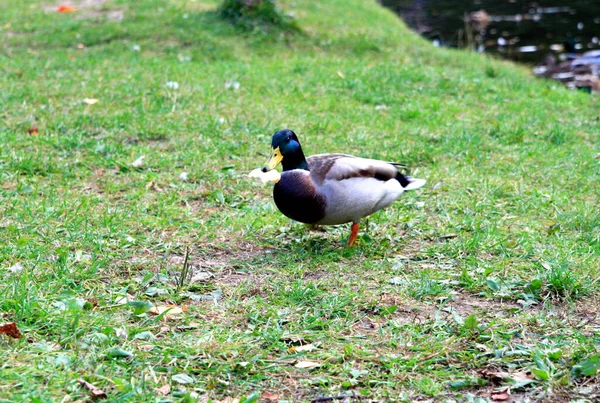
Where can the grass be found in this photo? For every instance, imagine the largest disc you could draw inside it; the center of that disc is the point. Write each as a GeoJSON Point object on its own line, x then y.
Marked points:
{"type": "Point", "coordinates": [486, 279]}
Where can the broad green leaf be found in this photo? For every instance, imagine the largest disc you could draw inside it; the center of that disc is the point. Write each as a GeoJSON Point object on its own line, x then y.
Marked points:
{"type": "Point", "coordinates": [587, 367]}
{"type": "Point", "coordinates": [118, 352]}
{"type": "Point", "coordinates": [540, 373]}
{"type": "Point", "coordinates": [252, 398]}
{"type": "Point", "coordinates": [140, 307]}
{"type": "Point", "coordinates": [493, 285]}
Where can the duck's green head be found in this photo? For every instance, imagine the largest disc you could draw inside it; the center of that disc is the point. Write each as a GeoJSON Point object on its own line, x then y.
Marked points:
{"type": "Point", "coordinates": [286, 150]}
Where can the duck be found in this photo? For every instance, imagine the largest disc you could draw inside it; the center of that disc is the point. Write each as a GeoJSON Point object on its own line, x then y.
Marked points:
{"type": "Point", "coordinates": [332, 189]}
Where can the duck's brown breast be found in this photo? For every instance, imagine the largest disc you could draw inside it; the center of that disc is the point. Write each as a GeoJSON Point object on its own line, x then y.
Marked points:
{"type": "Point", "coordinates": [297, 198]}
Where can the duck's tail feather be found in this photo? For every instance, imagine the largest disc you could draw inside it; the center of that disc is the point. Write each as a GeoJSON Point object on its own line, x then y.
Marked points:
{"type": "Point", "coordinates": [409, 183]}
{"type": "Point", "coordinates": [415, 184]}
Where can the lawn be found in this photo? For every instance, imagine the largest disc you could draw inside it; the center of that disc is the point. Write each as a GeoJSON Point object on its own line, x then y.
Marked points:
{"type": "Point", "coordinates": [484, 284]}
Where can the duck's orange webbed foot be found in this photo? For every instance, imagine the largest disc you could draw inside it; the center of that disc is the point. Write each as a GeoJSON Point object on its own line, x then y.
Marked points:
{"type": "Point", "coordinates": [353, 234]}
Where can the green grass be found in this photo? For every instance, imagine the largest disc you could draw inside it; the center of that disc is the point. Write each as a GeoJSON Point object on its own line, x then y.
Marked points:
{"type": "Point", "coordinates": [486, 278]}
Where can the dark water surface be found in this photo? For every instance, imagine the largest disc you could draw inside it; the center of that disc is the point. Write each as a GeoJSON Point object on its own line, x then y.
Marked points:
{"type": "Point", "coordinates": [522, 30]}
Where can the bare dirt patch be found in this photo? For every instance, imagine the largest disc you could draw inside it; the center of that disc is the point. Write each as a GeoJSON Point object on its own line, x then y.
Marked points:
{"type": "Point", "coordinates": [467, 304]}
{"type": "Point", "coordinates": [223, 268]}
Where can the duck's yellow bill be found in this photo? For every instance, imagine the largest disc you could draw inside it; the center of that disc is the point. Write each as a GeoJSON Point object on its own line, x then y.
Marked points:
{"type": "Point", "coordinates": [274, 160]}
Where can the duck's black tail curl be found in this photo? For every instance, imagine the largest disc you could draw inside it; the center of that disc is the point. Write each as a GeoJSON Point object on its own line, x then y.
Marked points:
{"type": "Point", "coordinates": [404, 180]}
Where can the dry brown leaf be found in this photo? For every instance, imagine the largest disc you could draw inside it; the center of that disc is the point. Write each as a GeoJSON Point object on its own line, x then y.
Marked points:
{"type": "Point", "coordinates": [11, 330]}
{"type": "Point", "coordinates": [521, 376]}
{"type": "Point", "coordinates": [496, 376]}
{"type": "Point", "coordinates": [500, 396]}
{"type": "Point", "coordinates": [269, 396]}
{"type": "Point", "coordinates": [33, 131]}
{"type": "Point", "coordinates": [307, 364]}
{"type": "Point", "coordinates": [94, 391]}
{"type": "Point", "coordinates": [164, 390]}
{"type": "Point", "coordinates": [146, 347]}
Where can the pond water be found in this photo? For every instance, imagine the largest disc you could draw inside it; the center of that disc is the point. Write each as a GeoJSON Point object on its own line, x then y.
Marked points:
{"type": "Point", "coordinates": [521, 30]}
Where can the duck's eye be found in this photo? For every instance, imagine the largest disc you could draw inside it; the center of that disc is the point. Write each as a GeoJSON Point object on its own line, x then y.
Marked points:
{"type": "Point", "coordinates": [288, 139]}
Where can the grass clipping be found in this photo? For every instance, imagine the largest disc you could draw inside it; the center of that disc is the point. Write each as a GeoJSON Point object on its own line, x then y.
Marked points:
{"type": "Point", "coordinates": [256, 14]}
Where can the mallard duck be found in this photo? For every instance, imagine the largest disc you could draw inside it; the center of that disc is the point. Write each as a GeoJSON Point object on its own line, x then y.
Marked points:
{"type": "Point", "coordinates": [331, 189]}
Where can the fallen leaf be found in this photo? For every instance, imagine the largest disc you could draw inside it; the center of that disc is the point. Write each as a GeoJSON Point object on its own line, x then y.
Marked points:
{"type": "Point", "coordinates": [500, 396]}
{"type": "Point", "coordinates": [521, 376]}
{"type": "Point", "coordinates": [121, 301]}
{"type": "Point", "coordinates": [138, 163]}
{"type": "Point", "coordinates": [164, 390]}
{"type": "Point", "coordinates": [121, 333]}
{"type": "Point", "coordinates": [201, 276]}
{"type": "Point", "coordinates": [66, 9]}
{"type": "Point", "coordinates": [183, 378]}
{"type": "Point", "coordinates": [339, 73]}
{"type": "Point", "coordinates": [17, 267]}
{"type": "Point", "coordinates": [494, 376]}
{"type": "Point", "coordinates": [33, 131]}
{"type": "Point", "coordinates": [170, 311]}
{"type": "Point", "coordinates": [11, 330]}
{"type": "Point", "coordinates": [292, 338]}
{"type": "Point", "coordinates": [269, 396]}
{"type": "Point", "coordinates": [90, 101]}
{"type": "Point", "coordinates": [94, 391]}
{"type": "Point", "coordinates": [146, 347]}
{"type": "Point", "coordinates": [306, 347]}
{"type": "Point", "coordinates": [307, 364]}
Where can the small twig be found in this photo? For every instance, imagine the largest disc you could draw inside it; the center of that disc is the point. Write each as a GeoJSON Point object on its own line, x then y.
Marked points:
{"type": "Point", "coordinates": [185, 269]}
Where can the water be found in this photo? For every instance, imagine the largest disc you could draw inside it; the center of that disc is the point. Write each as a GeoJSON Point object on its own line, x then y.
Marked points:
{"type": "Point", "coordinates": [522, 30]}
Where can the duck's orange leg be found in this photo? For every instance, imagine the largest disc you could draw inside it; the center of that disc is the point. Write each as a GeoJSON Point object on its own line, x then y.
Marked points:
{"type": "Point", "coordinates": [353, 234]}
